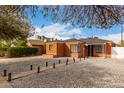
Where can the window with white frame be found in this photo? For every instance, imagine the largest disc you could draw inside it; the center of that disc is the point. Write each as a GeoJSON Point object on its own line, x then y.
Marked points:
{"type": "Point", "coordinates": [99, 48]}
{"type": "Point", "coordinates": [75, 48]}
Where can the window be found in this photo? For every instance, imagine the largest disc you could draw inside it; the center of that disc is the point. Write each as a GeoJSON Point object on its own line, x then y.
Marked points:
{"type": "Point", "coordinates": [75, 48]}
{"type": "Point", "coordinates": [50, 46]}
{"type": "Point", "coordinates": [99, 48]}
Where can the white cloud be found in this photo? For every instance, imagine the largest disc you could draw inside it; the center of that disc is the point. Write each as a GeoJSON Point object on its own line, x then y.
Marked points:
{"type": "Point", "coordinates": [114, 37]}
{"type": "Point", "coordinates": [58, 31]}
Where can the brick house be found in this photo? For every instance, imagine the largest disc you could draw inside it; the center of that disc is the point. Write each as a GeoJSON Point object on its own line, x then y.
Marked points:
{"type": "Point", "coordinates": [37, 44]}
{"type": "Point", "coordinates": [89, 47]}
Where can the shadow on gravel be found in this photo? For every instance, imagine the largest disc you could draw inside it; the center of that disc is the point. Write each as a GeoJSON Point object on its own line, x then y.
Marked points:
{"type": "Point", "coordinates": [18, 67]}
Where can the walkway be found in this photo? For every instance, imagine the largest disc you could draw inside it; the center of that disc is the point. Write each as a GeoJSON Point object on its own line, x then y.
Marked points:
{"type": "Point", "coordinates": [20, 59]}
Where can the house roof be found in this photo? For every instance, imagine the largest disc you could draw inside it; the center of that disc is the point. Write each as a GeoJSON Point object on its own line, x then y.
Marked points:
{"type": "Point", "coordinates": [91, 40]}
{"type": "Point", "coordinates": [35, 42]}
{"type": "Point", "coordinates": [71, 40]}
{"type": "Point", "coordinates": [55, 41]}
{"type": "Point", "coordinates": [94, 40]}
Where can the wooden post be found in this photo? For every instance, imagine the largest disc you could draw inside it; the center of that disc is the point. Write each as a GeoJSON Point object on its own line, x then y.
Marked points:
{"type": "Point", "coordinates": [59, 61]}
{"type": "Point", "coordinates": [54, 65]}
{"type": "Point", "coordinates": [67, 59]}
{"type": "Point", "coordinates": [74, 59]}
{"type": "Point", "coordinates": [84, 58]}
{"type": "Point", "coordinates": [31, 67]}
{"type": "Point", "coordinates": [67, 62]}
{"type": "Point", "coordinates": [38, 69]}
{"type": "Point", "coordinates": [9, 77]}
{"type": "Point", "coordinates": [4, 72]}
{"type": "Point", "coordinates": [46, 64]}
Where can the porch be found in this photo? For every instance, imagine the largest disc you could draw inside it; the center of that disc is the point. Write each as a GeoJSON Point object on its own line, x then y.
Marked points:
{"type": "Point", "coordinates": [96, 50]}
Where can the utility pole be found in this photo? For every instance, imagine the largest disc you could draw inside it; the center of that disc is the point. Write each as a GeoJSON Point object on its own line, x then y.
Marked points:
{"type": "Point", "coordinates": [121, 34]}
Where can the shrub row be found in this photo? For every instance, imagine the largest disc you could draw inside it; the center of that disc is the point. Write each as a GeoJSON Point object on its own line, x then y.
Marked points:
{"type": "Point", "coordinates": [3, 52]}
{"type": "Point", "coordinates": [3, 49]}
{"type": "Point", "coordinates": [20, 51]}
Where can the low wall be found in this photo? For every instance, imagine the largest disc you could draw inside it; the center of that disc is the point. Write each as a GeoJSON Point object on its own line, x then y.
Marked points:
{"type": "Point", "coordinates": [117, 52]}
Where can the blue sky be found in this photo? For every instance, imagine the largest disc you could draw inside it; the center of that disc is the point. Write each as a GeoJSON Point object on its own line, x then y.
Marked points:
{"type": "Point", "coordinates": [65, 31]}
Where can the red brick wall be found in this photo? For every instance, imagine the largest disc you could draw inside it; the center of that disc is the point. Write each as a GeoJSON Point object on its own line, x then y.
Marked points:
{"type": "Point", "coordinates": [108, 49]}
{"type": "Point", "coordinates": [97, 54]}
{"type": "Point", "coordinates": [57, 49]}
{"type": "Point", "coordinates": [53, 51]}
{"type": "Point", "coordinates": [68, 52]}
{"type": "Point", "coordinates": [83, 50]}
{"type": "Point", "coordinates": [63, 49]}
{"type": "Point", "coordinates": [86, 51]}
{"type": "Point", "coordinates": [106, 53]}
{"type": "Point", "coordinates": [60, 49]}
{"type": "Point", "coordinates": [74, 54]}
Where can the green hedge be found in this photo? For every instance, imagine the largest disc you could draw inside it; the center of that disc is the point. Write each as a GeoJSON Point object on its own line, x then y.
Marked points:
{"type": "Point", "coordinates": [19, 51]}
{"type": "Point", "coordinates": [3, 49]}
{"type": "Point", "coordinates": [3, 52]}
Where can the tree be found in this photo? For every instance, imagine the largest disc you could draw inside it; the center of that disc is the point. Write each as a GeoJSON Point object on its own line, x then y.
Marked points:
{"type": "Point", "coordinates": [12, 25]}
{"type": "Point", "coordinates": [13, 21]}
{"type": "Point", "coordinates": [101, 16]}
{"type": "Point", "coordinates": [20, 42]}
{"type": "Point", "coordinates": [121, 44]}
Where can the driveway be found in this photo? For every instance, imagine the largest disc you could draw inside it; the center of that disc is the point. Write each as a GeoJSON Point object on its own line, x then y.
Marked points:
{"type": "Point", "coordinates": [92, 72]}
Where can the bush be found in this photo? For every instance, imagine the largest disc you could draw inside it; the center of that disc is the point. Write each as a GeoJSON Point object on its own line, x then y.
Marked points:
{"type": "Point", "coordinates": [3, 52]}
{"type": "Point", "coordinates": [20, 51]}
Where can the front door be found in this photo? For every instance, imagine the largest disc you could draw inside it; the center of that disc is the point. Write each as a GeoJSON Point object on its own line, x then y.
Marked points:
{"type": "Point", "coordinates": [90, 50]}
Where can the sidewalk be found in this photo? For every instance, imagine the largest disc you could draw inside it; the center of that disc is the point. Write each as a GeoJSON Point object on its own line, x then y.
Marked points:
{"type": "Point", "coordinates": [26, 59]}
{"type": "Point", "coordinates": [20, 59]}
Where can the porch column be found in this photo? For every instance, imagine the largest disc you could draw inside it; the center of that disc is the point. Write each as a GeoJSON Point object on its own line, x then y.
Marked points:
{"type": "Point", "coordinates": [84, 51]}
{"type": "Point", "coordinates": [105, 51]}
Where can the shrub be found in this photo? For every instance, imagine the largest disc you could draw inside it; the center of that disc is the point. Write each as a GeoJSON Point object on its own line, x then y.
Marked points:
{"type": "Point", "coordinates": [3, 52]}
{"type": "Point", "coordinates": [20, 51]}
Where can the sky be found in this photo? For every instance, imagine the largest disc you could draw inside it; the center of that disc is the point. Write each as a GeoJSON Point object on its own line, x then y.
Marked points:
{"type": "Point", "coordinates": [66, 31]}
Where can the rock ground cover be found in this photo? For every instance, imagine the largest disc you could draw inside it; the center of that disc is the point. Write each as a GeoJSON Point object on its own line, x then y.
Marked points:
{"type": "Point", "coordinates": [92, 72]}
{"type": "Point", "coordinates": [17, 67]}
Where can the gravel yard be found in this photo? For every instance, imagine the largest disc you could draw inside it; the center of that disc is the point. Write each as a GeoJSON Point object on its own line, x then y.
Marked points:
{"type": "Point", "coordinates": [92, 72]}
{"type": "Point", "coordinates": [16, 67]}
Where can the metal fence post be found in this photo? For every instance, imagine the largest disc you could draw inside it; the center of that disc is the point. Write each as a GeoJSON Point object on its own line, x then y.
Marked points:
{"type": "Point", "coordinates": [74, 59]}
{"type": "Point", "coordinates": [9, 77]}
{"type": "Point", "coordinates": [4, 72]}
{"type": "Point", "coordinates": [31, 67]}
{"type": "Point", "coordinates": [38, 69]}
{"type": "Point", "coordinates": [59, 61]}
{"type": "Point", "coordinates": [54, 65]}
{"type": "Point", "coordinates": [46, 64]}
{"type": "Point", "coordinates": [67, 62]}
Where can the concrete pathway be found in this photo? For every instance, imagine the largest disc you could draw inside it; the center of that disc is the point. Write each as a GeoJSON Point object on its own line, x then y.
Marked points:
{"type": "Point", "coordinates": [26, 59]}
{"type": "Point", "coordinates": [20, 59]}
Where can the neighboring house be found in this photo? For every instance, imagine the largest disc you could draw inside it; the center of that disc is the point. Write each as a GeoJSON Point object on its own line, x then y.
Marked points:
{"type": "Point", "coordinates": [44, 39]}
{"type": "Point", "coordinates": [37, 44]}
{"type": "Point", "coordinates": [93, 47]}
